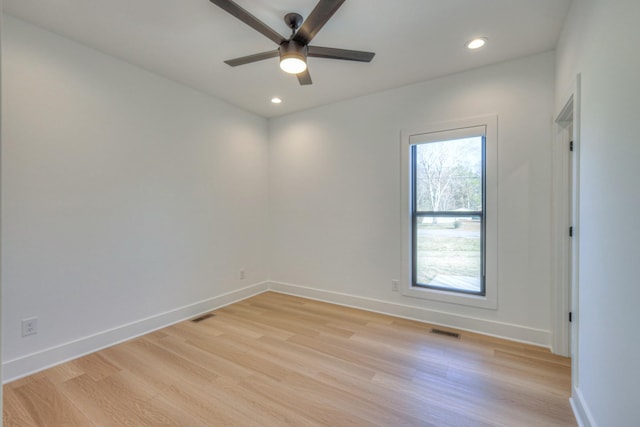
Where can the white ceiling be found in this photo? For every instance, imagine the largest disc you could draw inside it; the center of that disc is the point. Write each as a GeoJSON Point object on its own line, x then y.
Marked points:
{"type": "Point", "coordinates": [414, 40]}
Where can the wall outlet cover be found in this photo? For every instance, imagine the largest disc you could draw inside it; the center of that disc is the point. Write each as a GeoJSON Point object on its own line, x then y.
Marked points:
{"type": "Point", "coordinates": [29, 326]}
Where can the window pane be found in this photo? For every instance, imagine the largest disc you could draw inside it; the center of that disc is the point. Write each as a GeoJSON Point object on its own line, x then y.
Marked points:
{"type": "Point", "coordinates": [449, 175]}
{"type": "Point", "coordinates": [449, 253]}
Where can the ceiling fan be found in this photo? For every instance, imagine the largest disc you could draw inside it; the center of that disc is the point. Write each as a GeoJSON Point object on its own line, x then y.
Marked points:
{"type": "Point", "coordinates": [293, 52]}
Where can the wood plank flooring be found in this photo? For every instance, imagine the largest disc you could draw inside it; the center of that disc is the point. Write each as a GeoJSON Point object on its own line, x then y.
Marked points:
{"type": "Point", "coordinates": [276, 360]}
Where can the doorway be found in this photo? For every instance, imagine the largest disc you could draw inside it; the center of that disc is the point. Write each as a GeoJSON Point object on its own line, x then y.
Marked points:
{"type": "Point", "coordinates": [566, 227]}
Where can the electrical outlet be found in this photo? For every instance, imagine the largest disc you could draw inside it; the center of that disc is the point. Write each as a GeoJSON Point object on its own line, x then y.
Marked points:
{"type": "Point", "coordinates": [29, 326]}
{"type": "Point", "coordinates": [395, 285]}
{"type": "Point", "coordinates": [242, 274]}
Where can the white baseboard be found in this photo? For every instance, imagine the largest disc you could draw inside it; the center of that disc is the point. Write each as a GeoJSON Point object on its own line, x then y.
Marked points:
{"type": "Point", "coordinates": [581, 410]}
{"type": "Point", "coordinates": [31, 363]}
{"type": "Point", "coordinates": [508, 331]}
{"type": "Point", "coordinates": [38, 361]}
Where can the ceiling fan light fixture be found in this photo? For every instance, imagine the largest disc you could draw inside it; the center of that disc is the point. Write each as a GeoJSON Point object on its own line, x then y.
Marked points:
{"type": "Point", "coordinates": [293, 57]}
{"type": "Point", "coordinates": [293, 65]}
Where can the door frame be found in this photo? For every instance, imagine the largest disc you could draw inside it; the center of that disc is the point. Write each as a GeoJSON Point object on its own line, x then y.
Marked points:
{"type": "Point", "coordinates": [566, 210]}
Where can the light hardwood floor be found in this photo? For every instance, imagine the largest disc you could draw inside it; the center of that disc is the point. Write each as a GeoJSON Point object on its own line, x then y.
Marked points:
{"type": "Point", "coordinates": [281, 360]}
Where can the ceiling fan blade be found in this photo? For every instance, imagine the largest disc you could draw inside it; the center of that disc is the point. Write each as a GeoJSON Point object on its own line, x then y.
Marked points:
{"type": "Point", "coordinates": [333, 53]}
{"type": "Point", "coordinates": [252, 58]}
{"type": "Point", "coordinates": [304, 78]}
{"type": "Point", "coordinates": [319, 16]}
{"type": "Point", "coordinates": [240, 13]}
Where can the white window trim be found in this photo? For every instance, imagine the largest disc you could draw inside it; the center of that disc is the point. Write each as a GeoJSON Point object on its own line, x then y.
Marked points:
{"type": "Point", "coordinates": [408, 138]}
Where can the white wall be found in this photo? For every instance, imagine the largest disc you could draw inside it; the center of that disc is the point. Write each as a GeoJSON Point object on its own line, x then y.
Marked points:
{"type": "Point", "coordinates": [600, 41]}
{"type": "Point", "coordinates": [124, 196]}
{"type": "Point", "coordinates": [335, 195]}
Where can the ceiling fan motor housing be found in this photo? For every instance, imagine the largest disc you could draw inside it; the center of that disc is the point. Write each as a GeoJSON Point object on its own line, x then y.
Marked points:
{"type": "Point", "coordinates": [292, 49]}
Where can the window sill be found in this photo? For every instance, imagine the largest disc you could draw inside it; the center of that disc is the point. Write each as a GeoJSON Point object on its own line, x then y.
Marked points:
{"type": "Point", "coordinates": [486, 302]}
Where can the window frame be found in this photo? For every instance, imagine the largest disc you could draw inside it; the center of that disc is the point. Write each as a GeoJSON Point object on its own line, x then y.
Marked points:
{"type": "Point", "coordinates": [485, 126]}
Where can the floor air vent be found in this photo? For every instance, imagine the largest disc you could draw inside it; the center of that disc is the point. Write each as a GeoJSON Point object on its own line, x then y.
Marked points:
{"type": "Point", "coordinates": [203, 317]}
{"type": "Point", "coordinates": [445, 333]}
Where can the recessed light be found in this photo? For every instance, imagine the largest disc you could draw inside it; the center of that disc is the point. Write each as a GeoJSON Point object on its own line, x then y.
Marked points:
{"type": "Point", "coordinates": [476, 43]}
{"type": "Point", "coordinates": [276, 100]}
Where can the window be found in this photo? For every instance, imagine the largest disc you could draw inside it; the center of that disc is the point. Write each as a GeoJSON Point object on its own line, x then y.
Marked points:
{"type": "Point", "coordinates": [449, 212]}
